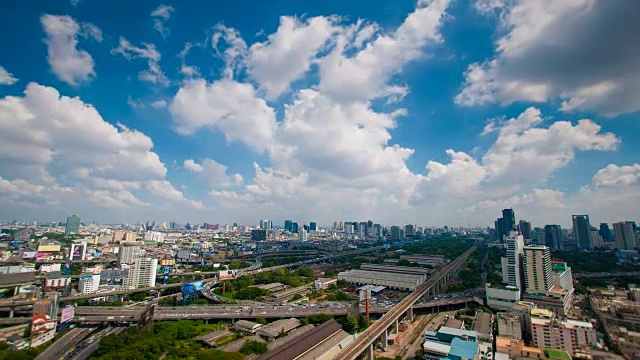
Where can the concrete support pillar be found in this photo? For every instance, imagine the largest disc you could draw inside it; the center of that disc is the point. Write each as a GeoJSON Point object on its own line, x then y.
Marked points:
{"type": "Point", "coordinates": [410, 313]}
{"type": "Point", "coordinates": [395, 326]}
{"type": "Point", "coordinates": [370, 352]}
{"type": "Point", "coordinates": [384, 340]}
{"type": "Point", "coordinates": [11, 313]}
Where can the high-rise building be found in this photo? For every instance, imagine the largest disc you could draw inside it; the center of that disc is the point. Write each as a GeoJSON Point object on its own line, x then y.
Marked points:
{"type": "Point", "coordinates": [625, 238]}
{"type": "Point", "coordinates": [515, 248]}
{"type": "Point", "coordinates": [605, 232]}
{"type": "Point", "coordinates": [142, 273]}
{"type": "Point", "coordinates": [88, 283]}
{"type": "Point", "coordinates": [582, 231]}
{"type": "Point", "coordinates": [305, 227]}
{"type": "Point", "coordinates": [303, 235]}
{"type": "Point", "coordinates": [73, 225]}
{"type": "Point", "coordinates": [409, 230]}
{"type": "Point", "coordinates": [288, 225]}
{"type": "Point", "coordinates": [395, 233]}
{"type": "Point", "coordinates": [525, 230]}
{"type": "Point", "coordinates": [538, 275]}
{"type": "Point", "coordinates": [128, 254]}
{"type": "Point", "coordinates": [313, 226]}
{"type": "Point", "coordinates": [349, 228]}
{"type": "Point", "coordinates": [553, 237]}
{"type": "Point", "coordinates": [500, 230]}
{"type": "Point", "coordinates": [377, 230]}
{"type": "Point", "coordinates": [509, 217]}
{"type": "Point", "coordinates": [294, 227]}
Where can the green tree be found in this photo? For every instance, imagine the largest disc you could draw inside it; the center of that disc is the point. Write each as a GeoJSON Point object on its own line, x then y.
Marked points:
{"type": "Point", "coordinates": [362, 322]}
{"type": "Point", "coordinates": [329, 273]}
{"type": "Point", "coordinates": [404, 262]}
{"type": "Point", "coordinates": [305, 272]}
{"type": "Point", "coordinates": [253, 347]}
{"type": "Point", "coordinates": [261, 321]}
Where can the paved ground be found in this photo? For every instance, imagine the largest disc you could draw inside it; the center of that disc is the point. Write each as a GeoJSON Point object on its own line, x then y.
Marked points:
{"type": "Point", "coordinates": [236, 345]}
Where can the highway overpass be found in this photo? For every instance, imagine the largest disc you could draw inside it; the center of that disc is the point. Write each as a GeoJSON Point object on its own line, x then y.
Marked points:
{"type": "Point", "coordinates": [379, 329]}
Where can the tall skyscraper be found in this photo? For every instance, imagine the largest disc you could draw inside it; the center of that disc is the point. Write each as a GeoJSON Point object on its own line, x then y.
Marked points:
{"type": "Point", "coordinates": [509, 217]}
{"type": "Point", "coordinates": [625, 237]}
{"type": "Point", "coordinates": [605, 232]}
{"type": "Point", "coordinates": [515, 248]}
{"type": "Point", "coordinates": [582, 231]}
{"type": "Point", "coordinates": [142, 273]}
{"type": "Point", "coordinates": [395, 232]}
{"type": "Point", "coordinates": [73, 225]}
{"type": "Point", "coordinates": [525, 230]}
{"type": "Point", "coordinates": [538, 275]}
{"type": "Point", "coordinates": [303, 235]}
{"type": "Point", "coordinates": [553, 237]}
{"type": "Point", "coordinates": [288, 225]}
{"type": "Point", "coordinates": [409, 230]}
{"type": "Point", "coordinates": [596, 239]}
{"type": "Point", "coordinates": [500, 230]}
{"type": "Point", "coordinates": [294, 227]}
{"type": "Point", "coordinates": [313, 226]}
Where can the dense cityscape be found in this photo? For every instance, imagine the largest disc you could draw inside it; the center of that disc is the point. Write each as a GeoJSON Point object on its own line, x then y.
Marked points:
{"type": "Point", "coordinates": [74, 290]}
{"type": "Point", "coordinates": [319, 180]}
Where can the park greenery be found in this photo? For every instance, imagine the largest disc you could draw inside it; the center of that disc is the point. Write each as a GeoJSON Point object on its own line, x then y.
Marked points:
{"type": "Point", "coordinates": [243, 287]}
{"type": "Point", "coordinates": [451, 248]}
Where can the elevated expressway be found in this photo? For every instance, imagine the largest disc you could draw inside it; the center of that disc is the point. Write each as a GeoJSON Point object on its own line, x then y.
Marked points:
{"type": "Point", "coordinates": [379, 329]}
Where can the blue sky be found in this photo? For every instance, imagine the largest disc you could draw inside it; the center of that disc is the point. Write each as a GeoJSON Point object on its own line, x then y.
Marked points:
{"type": "Point", "coordinates": [430, 112]}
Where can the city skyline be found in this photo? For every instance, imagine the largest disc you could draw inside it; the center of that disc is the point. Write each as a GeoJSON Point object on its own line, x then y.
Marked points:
{"type": "Point", "coordinates": [427, 112]}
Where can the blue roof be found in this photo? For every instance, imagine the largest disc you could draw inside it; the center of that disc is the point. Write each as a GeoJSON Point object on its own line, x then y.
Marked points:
{"type": "Point", "coordinates": [463, 349]}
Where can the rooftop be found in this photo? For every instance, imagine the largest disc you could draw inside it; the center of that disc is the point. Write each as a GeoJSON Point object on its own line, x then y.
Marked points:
{"type": "Point", "coordinates": [463, 349]}
{"type": "Point", "coordinates": [557, 354]}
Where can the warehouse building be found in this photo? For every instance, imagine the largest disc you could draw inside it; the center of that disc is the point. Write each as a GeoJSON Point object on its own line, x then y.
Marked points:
{"type": "Point", "coordinates": [424, 260]}
{"type": "Point", "coordinates": [272, 331]}
{"type": "Point", "coordinates": [272, 287]}
{"type": "Point", "coordinates": [389, 279]}
{"type": "Point", "coordinates": [286, 295]}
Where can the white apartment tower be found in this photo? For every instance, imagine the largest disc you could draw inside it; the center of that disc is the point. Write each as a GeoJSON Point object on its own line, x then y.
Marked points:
{"type": "Point", "coordinates": [538, 275]}
{"type": "Point", "coordinates": [142, 273]}
{"type": "Point", "coordinates": [515, 247]}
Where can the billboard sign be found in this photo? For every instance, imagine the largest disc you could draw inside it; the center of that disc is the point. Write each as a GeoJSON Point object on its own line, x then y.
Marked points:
{"type": "Point", "coordinates": [166, 271]}
{"type": "Point", "coordinates": [193, 287]}
{"type": "Point", "coordinates": [78, 250]}
{"type": "Point", "coordinates": [67, 314]}
{"type": "Point", "coordinates": [365, 294]}
{"type": "Point", "coordinates": [227, 274]}
{"type": "Point", "coordinates": [29, 254]}
{"type": "Point", "coordinates": [42, 255]}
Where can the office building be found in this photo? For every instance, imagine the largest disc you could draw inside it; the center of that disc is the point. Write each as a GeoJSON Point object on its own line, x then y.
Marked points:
{"type": "Point", "coordinates": [538, 275]}
{"type": "Point", "coordinates": [288, 225]}
{"type": "Point", "coordinates": [500, 230]}
{"type": "Point", "coordinates": [515, 249]}
{"type": "Point", "coordinates": [582, 231]}
{"type": "Point", "coordinates": [303, 235]}
{"type": "Point", "coordinates": [313, 226]}
{"type": "Point", "coordinates": [553, 237]}
{"type": "Point", "coordinates": [395, 233]}
{"type": "Point", "coordinates": [294, 227]}
{"type": "Point", "coordinates": [605, 232]}
{"type": "Point", "coordinates": [349, 228]}
{"type": "Point", "coordinates": [624, 235]}
{"type": "Point", "coordinates": [128, 254]}
{"type": "Point", "coordinates": [88, 283]}
{"type": "Point", "coordinates": [525, 230]}
{"type": "Point", "coordinates": [509, 217]}
{"type": "Point", "coordinates": [258, 235]}
{"type": "Point", "coordinates": [142, 273]}
{"type": "Point", "coordinates": [562, 276]}
{"type": "Point", "coordinates": [377, 230]}
{"type": "Point", "coordinates": [409, 231]}
{"type": "Point", "coordinates": [73, 225]}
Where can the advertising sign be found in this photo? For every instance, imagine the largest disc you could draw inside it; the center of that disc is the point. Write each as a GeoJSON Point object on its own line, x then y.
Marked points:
{"type": "Point", "coordinates": [166, 271]}
{"type": "Point", "coordinates": [42, 255]}
{"type": "Point", "coordinates": [67, 314]}
{"type": "Point", "coordinates": [365, 294]}
{"type": "Point", "coordinates": [227, 274]}
{"type": "Point", "coordinates": [29, 254]}
{"type": "Point", "coordinates": [78, 251]}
